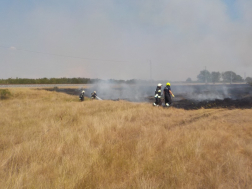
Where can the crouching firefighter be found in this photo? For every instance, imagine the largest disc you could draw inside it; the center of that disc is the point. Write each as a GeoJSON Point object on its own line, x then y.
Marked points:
{"type": "Point", "coordinates": [167, 94]}
{"type": "Point", "coordinates": [158, 95]}
{"type": "Point", "coordinates": [93, 95]}
{"type": "Point", "coordinates": [81, 97]}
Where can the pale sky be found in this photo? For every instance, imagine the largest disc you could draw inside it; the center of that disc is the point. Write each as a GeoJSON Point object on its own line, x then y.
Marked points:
{"type": "Point", "coordinates": [117, 39]}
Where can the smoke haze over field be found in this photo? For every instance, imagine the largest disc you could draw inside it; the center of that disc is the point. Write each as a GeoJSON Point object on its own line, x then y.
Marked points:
{"type": "Point", "coordinates": [144, 92]}
{"type": "Point", "coordinates": [124, 39]}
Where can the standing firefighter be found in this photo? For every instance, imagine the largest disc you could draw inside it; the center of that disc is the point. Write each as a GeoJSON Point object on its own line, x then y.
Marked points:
{"type": "Point", "coordinates": [81, 97]}
{"type": "Point", "coordinates": [167, 94]}
{"type": "Point", "coordinates": [158, 95]}
{"type": "Point", "coordinates": [93, 95]}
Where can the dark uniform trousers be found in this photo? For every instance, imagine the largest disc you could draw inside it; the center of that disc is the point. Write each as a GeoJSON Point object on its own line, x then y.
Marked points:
{"type": "Point", "coordinates": [167, 95]}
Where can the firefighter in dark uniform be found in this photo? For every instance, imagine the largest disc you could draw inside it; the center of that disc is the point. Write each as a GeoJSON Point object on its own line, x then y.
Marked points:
{"type": "Point", "coordinates": [93, 95]}
{"type": "Point", "coordinates": [167, 94]}
{"type": "Point", "coordinates": [158, 95]}
{"type": "Point", "coordinates": [81, 97]}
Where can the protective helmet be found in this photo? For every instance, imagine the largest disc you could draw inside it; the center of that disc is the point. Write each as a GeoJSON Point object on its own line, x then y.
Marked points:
{"type": "Point", "coordinates": [94, 91]}
{"type": "Point", "coordinates": [168, 84]}
{"type": "Point", "coordinates": [159, 85]}
{"type": "Point", "coordinates": [83, 91]}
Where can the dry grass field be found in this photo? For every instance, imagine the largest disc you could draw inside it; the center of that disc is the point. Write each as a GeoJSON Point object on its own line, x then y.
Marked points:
{"type": "Point", "coordinates": [51, 140]}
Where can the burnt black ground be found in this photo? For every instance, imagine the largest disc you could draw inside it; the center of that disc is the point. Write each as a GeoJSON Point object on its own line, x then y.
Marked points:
{"type": "Point", "coordinates": [188, 97]}
{"type": "Point", "coordinates": [244, 103]}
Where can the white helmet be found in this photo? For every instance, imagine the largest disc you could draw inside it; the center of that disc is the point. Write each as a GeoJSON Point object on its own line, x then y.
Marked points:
{"type": "Point", "coordinates": [83, 91]}
{"type": "Point", "coordinates": [159, 85]}
{"type": "Point", "coordinates": [94, 91]}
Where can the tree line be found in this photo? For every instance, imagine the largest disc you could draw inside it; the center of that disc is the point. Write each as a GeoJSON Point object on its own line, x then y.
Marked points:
{"type": "Point", "coordinates": [216, 77]}
{"type": "Point", "coordinates": [204, 77]}
{"type": "Point", "coordinates": [63, 80]}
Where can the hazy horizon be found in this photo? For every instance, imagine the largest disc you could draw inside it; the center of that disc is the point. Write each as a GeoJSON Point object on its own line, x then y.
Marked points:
{"type": "Point", "coordinates": [160, 40]}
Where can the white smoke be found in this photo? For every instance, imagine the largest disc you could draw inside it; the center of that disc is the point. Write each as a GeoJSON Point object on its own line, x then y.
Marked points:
{"type": "Point", "coordinates": [180, 37]}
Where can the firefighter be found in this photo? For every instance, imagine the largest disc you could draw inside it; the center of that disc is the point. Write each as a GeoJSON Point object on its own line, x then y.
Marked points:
{"type": "Point", "coordinates": [93, 95]}
{"type": "Point", "coordinates": [158, 95]}
{"type": "Point", "coordinates": [167, 94]}
{"type": "Point", "coordinates": [81, 97]}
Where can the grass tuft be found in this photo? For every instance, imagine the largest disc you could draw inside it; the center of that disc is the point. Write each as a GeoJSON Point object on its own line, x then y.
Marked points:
{"type": "Point", "coordinates": [4, 94]}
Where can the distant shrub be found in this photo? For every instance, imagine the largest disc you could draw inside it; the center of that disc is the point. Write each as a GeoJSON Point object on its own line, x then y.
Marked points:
{"type": "Point", "coordinates": [189, 80]}
{"type": "Point", "coordinates": [4, 94]}
{"type": "Point", "coordinates": [249, 80]}
{"type": "Point", "coordinates": [55, 88]}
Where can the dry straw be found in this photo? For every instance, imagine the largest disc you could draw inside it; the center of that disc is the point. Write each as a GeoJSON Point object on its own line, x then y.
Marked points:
{"type": "Point", "coordinates": [51, 140]}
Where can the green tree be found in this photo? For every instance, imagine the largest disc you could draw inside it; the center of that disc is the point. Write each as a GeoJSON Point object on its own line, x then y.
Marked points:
{"type": "Point", "coordinates": [230, 76]}
{"type": "Point", "coordinates": [238, 78]}
{"type": "Point", "coordinates": [204, 76]}
{"type": "Point", "coordinates": [248, 79]}
{"type": "Point", "coordinates": [215, 77]}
